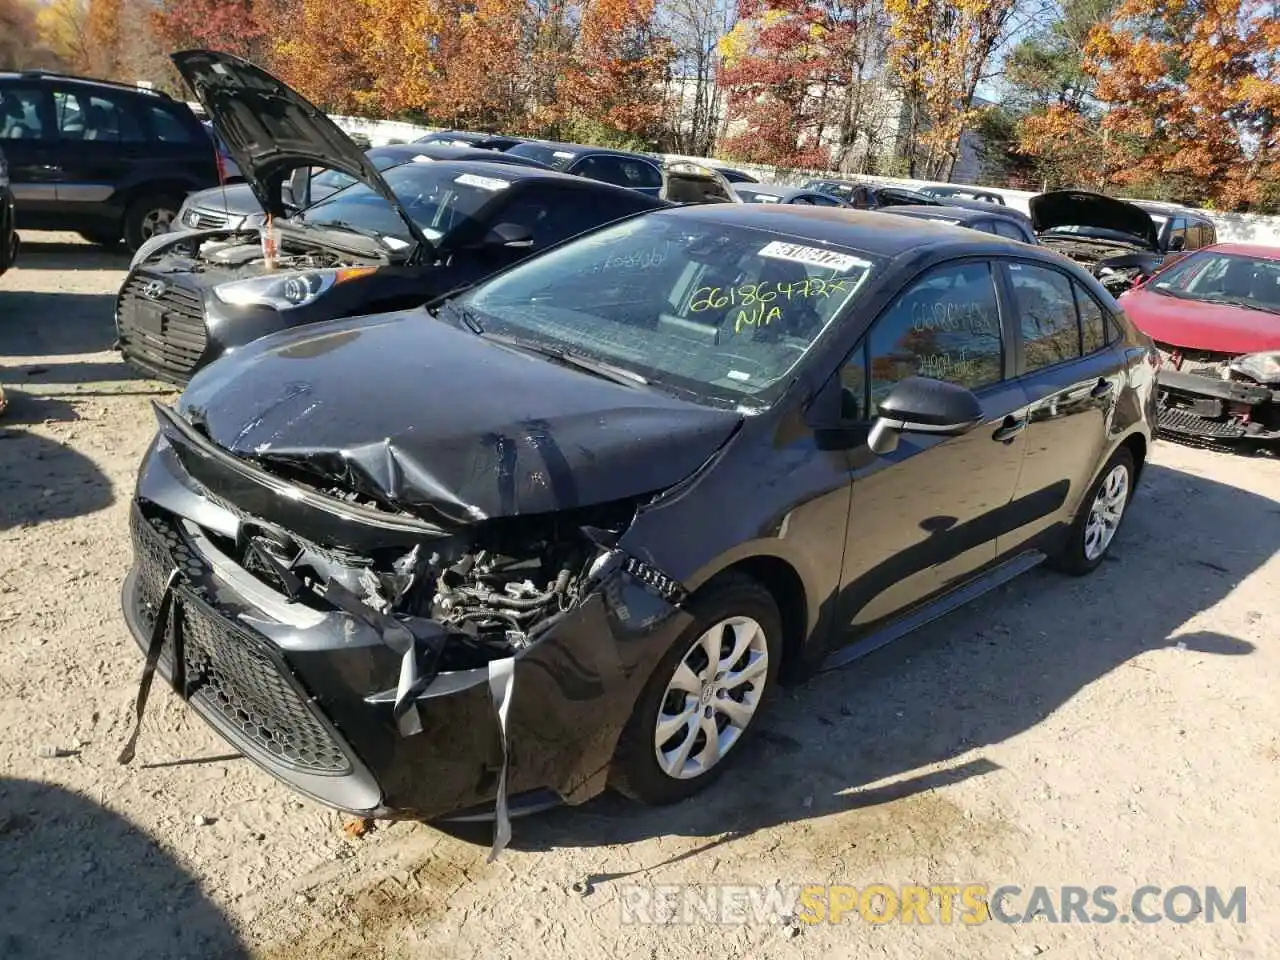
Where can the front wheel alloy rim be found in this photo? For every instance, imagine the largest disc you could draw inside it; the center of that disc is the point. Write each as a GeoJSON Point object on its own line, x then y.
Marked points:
{"type": "Point", "coordinates": [711, 697]}
{"type": "Point", "coordinates": [1106, 511]}
{"type": "Point", "coordinates": [155, 222]}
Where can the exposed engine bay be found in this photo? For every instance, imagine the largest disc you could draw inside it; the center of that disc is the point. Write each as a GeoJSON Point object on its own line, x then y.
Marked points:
{"type": "Point", "coordinates": [228, 255]}
{"type": "Point", "coordinates": [494, 590]}
{"type": "Point", "coordinates": [1118, 266]}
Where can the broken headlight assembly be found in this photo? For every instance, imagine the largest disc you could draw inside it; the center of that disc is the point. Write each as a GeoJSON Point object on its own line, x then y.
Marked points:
{"type": "Point", "coordinates": [1261, 367]}
{"type": "Point", "coordinates": [288, 291]}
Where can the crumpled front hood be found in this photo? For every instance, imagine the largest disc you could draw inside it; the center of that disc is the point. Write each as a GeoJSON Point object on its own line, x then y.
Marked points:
{"type": "Point", "coordinates": [1079, 208]}
{"type": "Point", "coordinates": [418, 415]}
{"type": "Point", "coordinates": [1196, 325]}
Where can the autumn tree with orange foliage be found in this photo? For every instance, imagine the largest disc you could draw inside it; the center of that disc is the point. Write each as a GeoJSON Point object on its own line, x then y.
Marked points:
{"type": "Point", "coordinates": [1185, 105]}
{"type": "Point", "coordinates": [1192, 92]}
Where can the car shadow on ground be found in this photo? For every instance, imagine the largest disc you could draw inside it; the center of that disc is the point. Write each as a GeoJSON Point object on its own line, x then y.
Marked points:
{"type": "Point", "coordinates": [52, 255]}
{"type": "Point", "coordinates": [77, 880]}
{"type": "Point", "coordinates": [52, 323]}
{"type": "Point", "coordinates": [908, 718]}
{"type": "Point", "coordinates": [42, 479]}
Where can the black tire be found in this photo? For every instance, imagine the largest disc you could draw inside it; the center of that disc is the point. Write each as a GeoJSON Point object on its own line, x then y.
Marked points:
{"type": "Point", "coordinates": [1073, 558]}
{"type": "Point", "coordinates": [144, 214]}
{"type": "Point", "coordinates": [635, 771]}
{"type": "Point", "coordinates": [103, 238]}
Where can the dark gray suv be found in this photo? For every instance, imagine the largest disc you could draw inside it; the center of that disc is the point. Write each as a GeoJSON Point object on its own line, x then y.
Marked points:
{"type": "Point", "coordinates": [108, 160]}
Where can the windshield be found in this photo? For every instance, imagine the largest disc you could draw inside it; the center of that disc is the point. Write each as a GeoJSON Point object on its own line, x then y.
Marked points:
{"type": "Point", "coordinates": [552, 156]}
{"type": "Point", "coordinates": [709, 308]}
{"type": "Point", "coordinates": [440, 198]}
{"type": "Point", "coordinates": [835, 188]}
{"type": "Point", "coordinates": [331, 181]}
{"type": "Point", "coordinates": [1223, 278]}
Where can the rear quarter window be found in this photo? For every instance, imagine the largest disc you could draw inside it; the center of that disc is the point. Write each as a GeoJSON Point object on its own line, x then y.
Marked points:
{"type": "Point", "coordinates": [167, 125]}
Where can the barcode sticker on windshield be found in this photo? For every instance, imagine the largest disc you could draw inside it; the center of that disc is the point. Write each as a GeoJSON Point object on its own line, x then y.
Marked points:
{"type": "Point", "coordinates": [562, 154]}
{"type": "Point", "coordinates": [484, 183]}
{"type": "Point", "coordinates": [816, 256]}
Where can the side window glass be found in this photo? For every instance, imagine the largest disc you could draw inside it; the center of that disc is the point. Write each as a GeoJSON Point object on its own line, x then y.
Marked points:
{"type": "Point", "coordinates": [1178, 234]}
{"type": "Point", "coordinates": [1009, 231]}
{"type": "Point", "coordinates": [1093, 324]}
{"type": "Point", "coordinates": [823, 202]}
{"type": "Point", "coordinates": [20, 117]}
{"type": "Point", "coordinates": [83, 116]}
{"type": "Point", "coordinates": [640, 175]}
{"type": "Point", "coordinates": [945, 326]}
{"type": "Point", "coordinates": [803, 201]}
{"type": "Point", "coordinates": [166, 127]}
{"type": "Point", "coordinates": [1046, 314]}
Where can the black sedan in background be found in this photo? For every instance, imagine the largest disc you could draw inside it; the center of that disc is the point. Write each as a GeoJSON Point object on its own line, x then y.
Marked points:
{"type": "Point", "coordinates": [236, 206]}
{"type": "Point", "coordinates": [8, 234]}
{"type": "Point", "coordinates": [870, 196]}
{"type": "Point", "coordinates": [776, 193]}
{"type": "Point", "coordinates": [992, 219]}
{"type": "Point", "coordinates": [395, 239]}
{"type": "Point", "coordinates": [572, 527]}
{"type": "Point", "coordinates": [468, 138]}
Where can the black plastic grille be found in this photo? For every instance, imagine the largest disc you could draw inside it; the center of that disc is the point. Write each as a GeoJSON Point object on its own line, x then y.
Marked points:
{"type": "Point", "coordinates": [165, 333]}
{"type": "Point", "coordinates": [229, 668]}
{"type": "Point", "coordinates": [1175, 420]}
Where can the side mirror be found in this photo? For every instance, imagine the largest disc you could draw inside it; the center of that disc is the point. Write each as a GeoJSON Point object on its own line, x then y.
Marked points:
{"type": "Point", "coordinates": [923, 405]}
{"type": "Point", "coordinates": [510, 236]}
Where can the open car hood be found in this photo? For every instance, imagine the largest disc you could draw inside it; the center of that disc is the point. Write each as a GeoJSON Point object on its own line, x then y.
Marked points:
{"type": "Point", "coordinates": [1079, 208]}
{"type": "Point", "coordinates": [271, 130]}
{"type": "Point", "coordinates": [416, 416]}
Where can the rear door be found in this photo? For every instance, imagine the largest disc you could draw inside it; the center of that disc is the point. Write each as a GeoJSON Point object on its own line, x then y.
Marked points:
{"type": "Point", "coordinates": [27, 132]}
{"type": "Point", "coordinates": [1071, 379]}
{"type": "Point", "coordinates": [101, 141]}
{"type": "Point", "coordinates": [928, 514]}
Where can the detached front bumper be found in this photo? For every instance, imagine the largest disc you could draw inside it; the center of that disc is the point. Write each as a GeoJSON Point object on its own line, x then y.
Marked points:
{"type": "Point", "coordinates": [1204, 407]}
{"type": "Point", "coordinates": [308, 693]}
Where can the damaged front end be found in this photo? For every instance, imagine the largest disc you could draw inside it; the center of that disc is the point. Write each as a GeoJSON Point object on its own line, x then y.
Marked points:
{"type": "Point", "coordinates": [1219, 398]}
{"type": "Point", "coordinates": [380, 662]}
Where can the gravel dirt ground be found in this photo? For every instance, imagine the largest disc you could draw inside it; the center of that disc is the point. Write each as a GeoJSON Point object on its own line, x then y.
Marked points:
{"type": "Point", "coordinates": [1115, 730]}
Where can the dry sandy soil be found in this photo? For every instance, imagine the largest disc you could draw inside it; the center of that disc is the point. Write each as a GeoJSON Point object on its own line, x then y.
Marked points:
{"type": "Point", "coordinates": [1117, 730]}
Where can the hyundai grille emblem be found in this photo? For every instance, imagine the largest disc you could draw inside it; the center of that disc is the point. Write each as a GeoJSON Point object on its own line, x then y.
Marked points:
{"type": "Point", "coordinates": [154, 290]}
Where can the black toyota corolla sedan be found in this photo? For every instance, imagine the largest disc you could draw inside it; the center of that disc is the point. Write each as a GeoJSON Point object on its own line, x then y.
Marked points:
{"type": "Point", "coordinates": [394, 239]}
{"type": "Point", "coordinates": [573, 526]}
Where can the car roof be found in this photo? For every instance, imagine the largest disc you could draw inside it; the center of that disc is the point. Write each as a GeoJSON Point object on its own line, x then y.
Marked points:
{"type": "Point", "coordinates": [444, 151]}
{"type": "Point", "coordinates": [875, 232]}
{"type": "Point", "coordinates": [958, 214]}
{"type": "Point", "coordinates": [1169, 209]}
{"type": "Point", "coordinates": [578, 148]}
{"type": "Point", "coordinates": [115, 85]}
{"type": "Point", "coordinates": [1255, 250]}
{"type": "Point", "coordinates": [518, 173]}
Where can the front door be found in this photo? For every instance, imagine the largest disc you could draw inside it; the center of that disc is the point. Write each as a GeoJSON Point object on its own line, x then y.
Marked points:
{"type": "Point", "coordinates": [927, 515]}
{"type": "Point", "coordinates": [26, 136]}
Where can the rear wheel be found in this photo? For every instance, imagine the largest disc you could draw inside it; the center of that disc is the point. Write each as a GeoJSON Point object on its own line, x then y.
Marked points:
{"type": "Point", "coordinates": [1101, 511]}
{"type": "Point", "coordinates": [704, 696]}
{"type": "Point", "coordinates": [149, 216]}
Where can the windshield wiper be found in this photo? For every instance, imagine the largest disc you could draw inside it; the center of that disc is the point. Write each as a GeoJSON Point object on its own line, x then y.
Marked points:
{"type": "Point", "coordinates": [1234, 302]}
{"type": "Point", "coordinates": [349, 228]}
{"type": "Point", "coordinates": [600, 368]}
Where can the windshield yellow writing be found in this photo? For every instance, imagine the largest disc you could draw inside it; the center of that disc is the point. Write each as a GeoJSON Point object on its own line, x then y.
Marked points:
{"type": "Point", "coordinates": [750, 294]}
{"type": "Point", "coordinates": [759, 315]}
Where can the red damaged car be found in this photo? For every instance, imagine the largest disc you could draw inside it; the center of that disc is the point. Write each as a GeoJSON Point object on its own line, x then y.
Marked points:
{"type": "Point", "coordinates": [1215, 317]}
